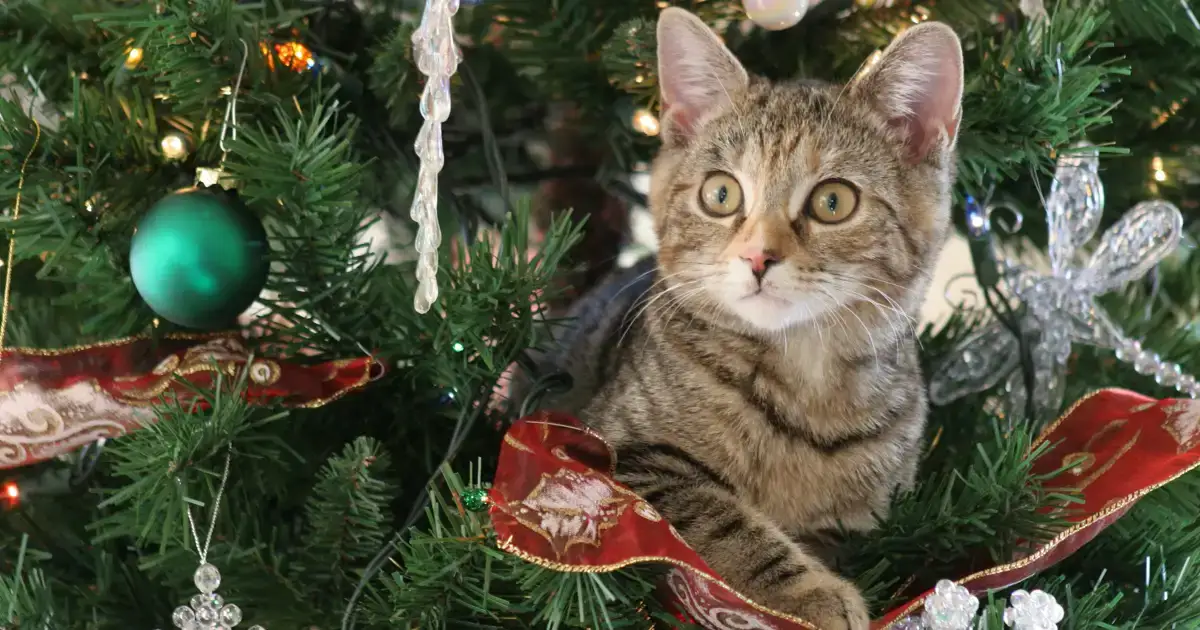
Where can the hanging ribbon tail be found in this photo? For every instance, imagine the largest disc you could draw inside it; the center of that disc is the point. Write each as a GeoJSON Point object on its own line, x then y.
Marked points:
{"type": "Point", "coordinates": [53, 401]}
{"type": "Point", "coordinates": [1117, 446]}
{"type": "Point", "coordinates": [555, 502]}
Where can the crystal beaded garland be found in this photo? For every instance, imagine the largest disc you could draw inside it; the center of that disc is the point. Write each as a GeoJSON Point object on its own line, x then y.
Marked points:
{"type": "Point", "coordinates": [437, 56]}
{"type": "Point", "coordinates": [207, 609]}
{"type": "Point", "coordinates": [909, 623]}
{"type": "Point", "coordinates": [950, 607]}
{"type": "Point", "coordinates": [1060, 305]}
{"type": "Point", "coordinates": [1033, 611]}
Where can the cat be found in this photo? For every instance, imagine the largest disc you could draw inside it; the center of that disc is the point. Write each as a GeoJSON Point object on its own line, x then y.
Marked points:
{"type": "Point", "coordinates": [759, 380]}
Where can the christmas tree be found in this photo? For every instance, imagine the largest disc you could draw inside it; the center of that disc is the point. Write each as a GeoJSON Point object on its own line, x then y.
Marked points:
{"type": "Point", "coordinates": [211, 356]}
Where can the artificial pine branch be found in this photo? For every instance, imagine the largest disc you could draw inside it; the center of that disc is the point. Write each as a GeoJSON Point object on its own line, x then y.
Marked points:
{"type": "Point", "coordinates": [959, 519]}
{"type": "Point", "coordinates": [174, 462]}
{"type": "Point", "coordinates": [347, 515]}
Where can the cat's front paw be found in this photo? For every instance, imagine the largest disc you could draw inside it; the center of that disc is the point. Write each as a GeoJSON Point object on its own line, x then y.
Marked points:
{"type": "Point", "coordinates": [830, 603]}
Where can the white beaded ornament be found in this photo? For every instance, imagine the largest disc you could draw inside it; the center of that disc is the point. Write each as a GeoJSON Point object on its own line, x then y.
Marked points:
{"type": "Point", "coordinates": [207, 610]}
{"type": "Point", "coordinates": [949, 607]}
{"type": "Point", "coordinates": [437, 57]}
{"type": "Point", "coordinates": [1033, 611]}
{"type": "Point", "coordinates": [776, 15]}
{"type": "Point", "coordinates": [1061, 303]}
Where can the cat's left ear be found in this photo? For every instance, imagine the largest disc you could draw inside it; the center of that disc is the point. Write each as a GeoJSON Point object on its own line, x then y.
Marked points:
{"type": "Point", "coordinates": [918, 84]}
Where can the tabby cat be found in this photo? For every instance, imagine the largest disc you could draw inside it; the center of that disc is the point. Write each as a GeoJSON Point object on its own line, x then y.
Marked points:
{"type": "Point", "coordinates": [759, 381]}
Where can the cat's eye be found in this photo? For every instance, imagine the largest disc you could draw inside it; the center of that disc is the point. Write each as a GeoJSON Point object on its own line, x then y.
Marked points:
{"type": "Point", "coordinates": [720, 195]}
{"type": "Point", "coordinates": [832, 201]}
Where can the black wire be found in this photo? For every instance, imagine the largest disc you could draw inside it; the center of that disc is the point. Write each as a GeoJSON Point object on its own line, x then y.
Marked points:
{"type": "Point", "coordinates": [1011, 321]}
{"type": "Point", "coordinates": [462, 428]}
{"type": "Point", "coordinates": [553, 383]}
{"type": "Point", "coordinates": [495, 161]}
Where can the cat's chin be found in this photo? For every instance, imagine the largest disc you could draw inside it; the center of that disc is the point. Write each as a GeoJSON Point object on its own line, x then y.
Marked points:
{"type": "Point", "coordinates": [771, 313]}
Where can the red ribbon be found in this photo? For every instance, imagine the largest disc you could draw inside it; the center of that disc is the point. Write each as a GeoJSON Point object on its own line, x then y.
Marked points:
{"type": "Point", "coordinates": [53, 401]}
{"type": "Point", "coordinates": [554, 501]}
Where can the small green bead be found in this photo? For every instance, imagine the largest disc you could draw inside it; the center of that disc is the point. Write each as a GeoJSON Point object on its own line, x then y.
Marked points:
{"type": "Point", "coordinates": [475, 499]}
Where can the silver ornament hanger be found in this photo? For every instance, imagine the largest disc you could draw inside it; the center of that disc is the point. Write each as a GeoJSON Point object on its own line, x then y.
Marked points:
{"type": "Point", "coordinates": [208, 610]}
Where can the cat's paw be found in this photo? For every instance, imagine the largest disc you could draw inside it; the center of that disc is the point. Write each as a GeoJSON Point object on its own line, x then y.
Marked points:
{"type": "Point", "coordinates": [830, 604]}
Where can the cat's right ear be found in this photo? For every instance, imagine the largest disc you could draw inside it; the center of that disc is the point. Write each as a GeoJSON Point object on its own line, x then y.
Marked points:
{"type": "Point", "coordinates": [697, 74]}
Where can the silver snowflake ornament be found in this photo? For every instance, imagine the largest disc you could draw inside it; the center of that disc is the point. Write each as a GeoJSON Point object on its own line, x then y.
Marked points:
{"type": "Point", "coordinates": [949, 607]}
{"type": "Point", "coordinates": [1033, 611]}
{"type": "Point", "coordinates": [207, 610]}
{"type": "Point", "coordinates": [1060, 304]}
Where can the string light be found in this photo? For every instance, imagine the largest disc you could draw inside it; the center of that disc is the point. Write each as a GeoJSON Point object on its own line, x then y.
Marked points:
{"type": "Point", "coordinates": [174, 146]}
{"type": "Point", "coordinates": [12, 493]}
{"type": "Point", "coordinates": [296, 56]}
{"type": "Point", "coordinates": [133, 58]}
{"type": "Point", "coordinates": [644, 121]}
{"type": "Point", "coordinates": [1156, 165]}
{"type": "Point", "coordinates": [1164, 116]}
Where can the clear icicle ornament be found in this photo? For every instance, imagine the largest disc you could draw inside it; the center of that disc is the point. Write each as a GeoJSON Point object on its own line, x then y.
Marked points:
{"type": "Point", "coordinates": [1033, 611]}
{"type": "Point", "coordinates": [1060, 305]}
{"type": "Point", "coordinates": [949, 607]}
{"type": "Point", "coordinates": [437, 56]}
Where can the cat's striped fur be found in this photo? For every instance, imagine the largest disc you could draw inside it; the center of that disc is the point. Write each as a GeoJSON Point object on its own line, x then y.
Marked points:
{"type": "Point", "coordinates": [758, 424]}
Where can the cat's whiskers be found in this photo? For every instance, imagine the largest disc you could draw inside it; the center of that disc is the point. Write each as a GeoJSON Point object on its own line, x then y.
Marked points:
{"type": "Point", "coordinates": [836, 312]}
{"type": "Point", "coordinates": [883, 309]}
{"type": "Point", "coordinates": [896, 307]}
{"type": "Point", "coordinates": [630, 317]}
{"type": "Point", "coordinates": [866, 329]}
{"type": "Point", "coordinates": [677, 301]}
{"type": "Point", "coordinates": [909, 320]}
{"type": "Point", "coordinates": [649, 303]}
{"type": "Point", "coordinates": [633, 282]}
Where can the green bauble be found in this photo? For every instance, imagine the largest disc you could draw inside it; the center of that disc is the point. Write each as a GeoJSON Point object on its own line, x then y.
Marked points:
{"type": "Point", "coordinates": [199, 258]}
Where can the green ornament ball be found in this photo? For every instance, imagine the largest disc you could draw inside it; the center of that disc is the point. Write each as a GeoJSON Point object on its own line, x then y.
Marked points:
{"type": "Point", "coordinates": [199, 258]}
{"type": "Point", "coordinates": [475, 499]}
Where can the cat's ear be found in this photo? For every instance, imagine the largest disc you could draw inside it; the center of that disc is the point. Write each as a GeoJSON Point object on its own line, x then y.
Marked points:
{"type": "Point", "coordinates": [697, 74]}
{"type": "Point", "coordinates": [918, 84]}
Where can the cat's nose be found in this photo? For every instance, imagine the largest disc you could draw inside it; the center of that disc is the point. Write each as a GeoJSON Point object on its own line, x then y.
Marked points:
{"type": "Point", "coordinates": [760, 261]}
